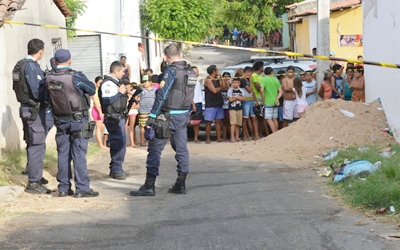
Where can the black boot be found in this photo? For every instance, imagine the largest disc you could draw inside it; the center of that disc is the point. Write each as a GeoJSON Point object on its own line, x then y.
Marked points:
{"type": "Point", "coordinates": [148, 189]}
{"type": "Point", "coordinates": [179, 186]}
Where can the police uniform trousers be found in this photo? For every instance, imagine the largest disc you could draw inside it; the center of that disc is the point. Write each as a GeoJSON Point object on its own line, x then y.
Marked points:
{"type": "Point", "coordinates": [75, 150]}
{"type": "Point", "coordinates": [179, 138]}
{"type": "Point", "coordinates": [117, 139]}
{"type": "Point", "coordinates": [35, 138]}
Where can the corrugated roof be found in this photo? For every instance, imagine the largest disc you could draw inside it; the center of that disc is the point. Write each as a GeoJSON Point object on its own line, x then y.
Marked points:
{"type": "Point", "coordinates": [8, 8]}
{"type": "Point", "coordinates": [333, 7]}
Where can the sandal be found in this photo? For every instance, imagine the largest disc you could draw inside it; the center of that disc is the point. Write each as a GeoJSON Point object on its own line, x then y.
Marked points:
{"type": "Point", "coordinates": [143, 144]}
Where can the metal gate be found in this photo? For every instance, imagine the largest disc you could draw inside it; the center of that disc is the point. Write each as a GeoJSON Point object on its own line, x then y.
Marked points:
{"type": "Point", "coordinates": [86, 55]}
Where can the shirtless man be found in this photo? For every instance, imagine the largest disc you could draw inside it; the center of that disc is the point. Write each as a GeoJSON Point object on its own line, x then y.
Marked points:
{"type": "Point", "coordinates": [289, 97]}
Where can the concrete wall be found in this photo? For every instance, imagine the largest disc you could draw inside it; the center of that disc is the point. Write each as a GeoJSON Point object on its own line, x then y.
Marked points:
{"type": "Point", "coordinates": [285, 31]}
{"type": "Point", "coordinates": [346, 22]}
{"type": "Point", "coordinates": [13, 47]}
{"type": "Point", "coordinates": [312, 23]}
{"type": "Point", "coordinates": [381, 33]}
{"type": "Point", "coordinates": [121, 17]}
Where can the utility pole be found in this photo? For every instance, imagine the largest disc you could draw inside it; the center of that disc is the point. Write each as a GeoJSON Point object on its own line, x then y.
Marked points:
{"type": "Point", "coordinates": [323, 39]}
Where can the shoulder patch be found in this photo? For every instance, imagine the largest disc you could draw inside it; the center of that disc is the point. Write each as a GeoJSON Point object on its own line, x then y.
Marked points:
{"type": "Point", "coordinates": [162, 84]}
{"type": "Point", "coordinates": [165, 75]}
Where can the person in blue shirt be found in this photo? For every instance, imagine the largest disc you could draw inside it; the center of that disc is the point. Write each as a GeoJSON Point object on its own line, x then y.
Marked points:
{"type": "Point", "coordinates": [29, 86]}
{"type": "Point", "coordinates": [70, 93]}
{"type": "Point", "coordinates": [172, 101]}
{"type": "Point", "coordinates": [235, 34]}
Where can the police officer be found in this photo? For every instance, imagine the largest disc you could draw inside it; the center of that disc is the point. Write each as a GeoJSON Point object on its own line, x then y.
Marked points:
{"type": "Point", "coordinates": [172, 102]}
{"type": "Point", "coordinates": [28, 84]}
{"type": "Point", "coordinates": [113, 99]}
{"type": "Point", "coordinates": [70, 93]}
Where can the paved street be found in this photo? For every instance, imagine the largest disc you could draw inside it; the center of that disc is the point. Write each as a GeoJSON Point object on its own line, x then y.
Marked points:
{"type": "Point", "coordinates": [229, 205]}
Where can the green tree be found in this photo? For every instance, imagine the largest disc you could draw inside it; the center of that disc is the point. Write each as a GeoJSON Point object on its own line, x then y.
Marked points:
{"type": "Point", "coordinates": [77, 7]}
{"type": "Point", "coordinates": [257, 15]}
{"type": "Point", "coordinates": [186, 20]}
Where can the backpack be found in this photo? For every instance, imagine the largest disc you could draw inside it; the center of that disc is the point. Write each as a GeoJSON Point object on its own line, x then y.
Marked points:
{"type": "Point", "coordinates": [20, 86]}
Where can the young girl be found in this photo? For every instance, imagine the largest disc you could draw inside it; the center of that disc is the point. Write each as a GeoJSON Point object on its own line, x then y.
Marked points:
{"type": "Point", "coordinates": [347, 82]}
{"type": "Point", "coordinates": [301, 99]}
{"type": "Point", "coordinates": [132, 115]}
{"type": "Point", "coordinates": [325, 90]}
{"type": "Point", "coordinates": [358, 85]}
{"type": "Point", "coordinates": [98, 115]}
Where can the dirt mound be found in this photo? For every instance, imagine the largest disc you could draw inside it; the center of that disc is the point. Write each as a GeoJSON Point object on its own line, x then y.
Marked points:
{"type": "Point", "coordinates": [323, 127]}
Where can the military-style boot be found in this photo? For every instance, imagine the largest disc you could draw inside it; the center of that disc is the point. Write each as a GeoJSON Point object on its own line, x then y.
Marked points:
{"type": "Point", "coordinates": [148, 189]}
{"type": "Point", "coordinates": [179, 186]}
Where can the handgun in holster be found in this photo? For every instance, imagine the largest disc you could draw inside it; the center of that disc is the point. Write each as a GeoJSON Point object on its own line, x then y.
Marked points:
{"type": "Point", "coordinates": [114, 120]}
{"type": "Point", "coordinates": [34, 110]}
{"type": "Point", "coordinates": [85, 132]}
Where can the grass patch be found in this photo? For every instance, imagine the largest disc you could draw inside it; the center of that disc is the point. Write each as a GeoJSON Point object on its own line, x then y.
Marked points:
{"type": "Point", "coordinates": [14, 162]}
{"type": "Point", "coordinates": [379, 189]}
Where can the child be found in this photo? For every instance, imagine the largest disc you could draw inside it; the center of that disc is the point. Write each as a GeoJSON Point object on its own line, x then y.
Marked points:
{"type": "Point", "coordinates": [132, 115]}
{"type": "Point", "coordinates": [300, 92]}
{"type": "Point", "coordinates": [98, 115]}
{"type": "Point", "coordinates": [224, 93]}
{"type": "Point", "coordinates": [325, 90]}
{"type": "Point", "coordinates": [146, 103]}
{"type": "Point", "coordinates": [347, 82]}
{"type": "Point", "coordinates": [289, 98]}
{"type": "Point", "coordinates": [311, 87]}
{"type": "Point", "coordinates": [235, 96]}
{"type": "Point", "coordinates": [337, 82]}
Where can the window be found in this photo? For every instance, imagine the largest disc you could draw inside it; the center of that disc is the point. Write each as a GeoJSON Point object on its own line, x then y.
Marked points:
{"type": "Point", "coordinates": [56, 44]}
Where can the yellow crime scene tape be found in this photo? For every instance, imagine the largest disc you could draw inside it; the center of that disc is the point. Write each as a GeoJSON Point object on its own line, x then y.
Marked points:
{"type": "Point", "coordinates": [257, 50]}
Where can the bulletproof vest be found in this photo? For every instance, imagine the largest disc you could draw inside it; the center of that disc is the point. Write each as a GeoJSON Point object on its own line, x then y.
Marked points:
{"type": "Point", "coordinates": [182, 92]}
{"type": "Point", "coordinates": [65, 98]}
{"type": "Point", "coordinates": [20, 86]}
{"type": "Point", "coordinates": [119, 106]}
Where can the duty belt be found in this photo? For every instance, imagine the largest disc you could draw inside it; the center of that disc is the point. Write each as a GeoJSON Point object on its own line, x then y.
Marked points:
{"type": "Point", "coordinates": [77, 116]}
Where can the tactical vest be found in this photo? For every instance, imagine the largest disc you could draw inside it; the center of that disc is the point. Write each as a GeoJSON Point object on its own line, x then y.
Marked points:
{"type": "Point", "coordinates": [20, 86]}
{"type": "Point", "coordinates": [119, 106]}
{"type": "Point", "coordinates": [65, 99]}
{"type": "Point", "coordinates": [182, 92]}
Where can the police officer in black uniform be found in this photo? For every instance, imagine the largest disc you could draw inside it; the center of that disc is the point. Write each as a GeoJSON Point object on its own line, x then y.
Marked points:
{"type": "Point", "coordinates": [70, 93]}
{"type": "Point", "coordinates": [29, 87]}
{"type": "Point", "coordinates": [113, 99]}
{"type": "Point", "coordinates": [169, 117]}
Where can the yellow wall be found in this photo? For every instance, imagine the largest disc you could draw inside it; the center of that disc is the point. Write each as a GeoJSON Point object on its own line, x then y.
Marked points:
{"type": "Point", "coordinates": [303, 36]}
{"type": "Point", "coordinates": [346, 22]}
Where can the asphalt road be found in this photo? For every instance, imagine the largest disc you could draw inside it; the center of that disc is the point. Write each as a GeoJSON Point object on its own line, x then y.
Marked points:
{"type": "Point", "coordinates": [230, 205]}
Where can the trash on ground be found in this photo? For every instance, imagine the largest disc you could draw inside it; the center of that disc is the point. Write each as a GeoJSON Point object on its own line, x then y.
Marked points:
{"type": "Point", "coordinates": [378, 164]}
{"type": "Point", "coordinates": [324, 172]}
{"type": "Point", "coordinates": [373, 137]}
{"type": "Point", "coordinates": [346, 161]}
{"type": "Point", "coordinates": [331, 138]}
{"type": "Point", "coordinates": [386, 130]}
{"type": "Point", "coordinates": [381, 211]}
{"type": "Point", "coordinates": [332, 155]}
{"type": "Point", "coordinates": [387, 152]}
{"type": "Point", "coordinates": [355, 168]}
{"type": "Point", "coordinates": [362, 149]}
{"type": "Point", "coordinates": [380, 108]}
{"type": "Point", "coordinates": [347, 113]}
{"type": "Point", "coordinates": [392, 209]}
{"type": "Point", "coordinates": [391, 236]}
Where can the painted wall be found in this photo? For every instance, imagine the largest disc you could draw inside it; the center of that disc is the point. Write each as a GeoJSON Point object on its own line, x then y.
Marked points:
{"type": "Point", "coordinates": [285, 31]}
{"type": "Point", "coordinates": [303, 36]}
{"type": "Point", "coordinates": [13, 47]}
{"type": "Point", "coordinates": [312, 24]}
{"type": "Point", "coordinates": [381, 36]}
{"type": "Point", "coordinates": [346, 22]}
{"type": "Point", "coordinates": [122, 17]}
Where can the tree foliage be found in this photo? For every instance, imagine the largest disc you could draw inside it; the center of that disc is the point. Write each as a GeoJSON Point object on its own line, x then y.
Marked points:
{"type": "Point", "coordinates": [179, 19]}
{"type": "Point", "coordinates": [77, 7]}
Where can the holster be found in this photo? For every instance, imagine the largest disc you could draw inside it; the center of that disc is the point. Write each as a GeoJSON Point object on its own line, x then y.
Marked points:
{"type": "Point", "coordinates": [114, 119]}
{"type": "Point", "coordinates": [85, 132]}
{"type": "Point", "coordinates": [34, 110]}
{"type": "Point", "coordinates": [162, 130]}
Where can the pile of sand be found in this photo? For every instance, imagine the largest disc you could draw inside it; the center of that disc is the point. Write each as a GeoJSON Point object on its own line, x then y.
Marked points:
{"type": "Point", "coordinates": [312, 134]}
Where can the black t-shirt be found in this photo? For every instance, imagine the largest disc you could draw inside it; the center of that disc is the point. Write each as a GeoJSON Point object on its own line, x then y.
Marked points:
{"type": "Point", "coordinates": [236, 105]}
